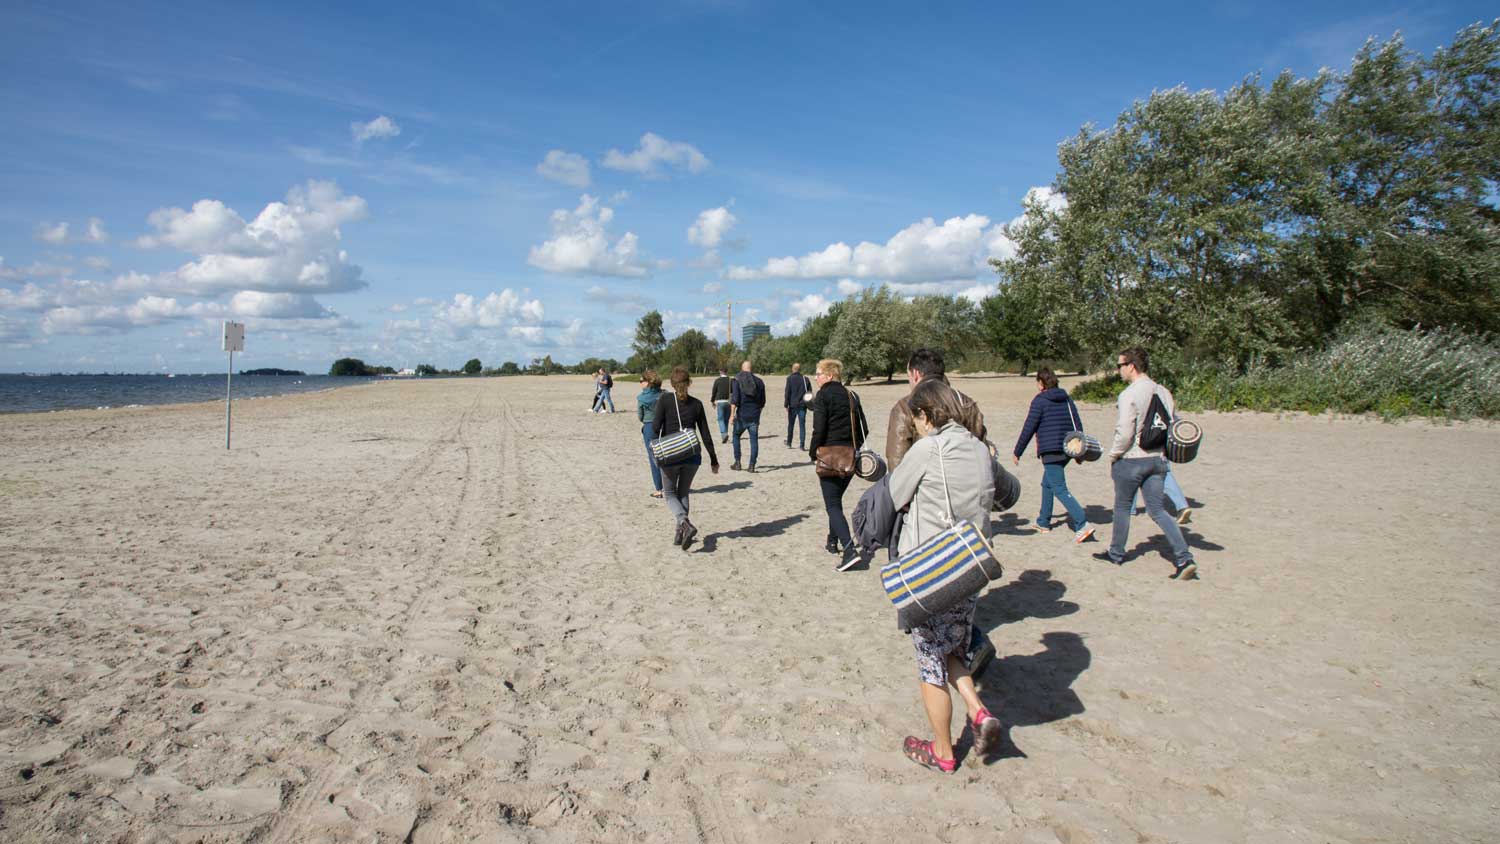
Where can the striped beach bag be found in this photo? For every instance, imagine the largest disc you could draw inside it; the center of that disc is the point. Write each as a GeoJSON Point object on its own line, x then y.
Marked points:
{"type": "Point", "coordinates": [941, 572]}
{"type": "Point", "coordinates": [678, 445]}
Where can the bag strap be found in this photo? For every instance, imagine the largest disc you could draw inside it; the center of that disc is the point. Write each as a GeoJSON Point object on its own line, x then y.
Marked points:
{"type": "Point", "coordinates": [1077, 423]}
{"type": "Point", "coordinates": [943, 467]}
{"type": "Point", "coordinates": [677, 403]}
{"type": "Point", "coordinates": [853, 431]}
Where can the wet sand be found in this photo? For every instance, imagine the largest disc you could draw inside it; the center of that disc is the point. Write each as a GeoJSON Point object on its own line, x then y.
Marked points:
{"type": "Point", "coordinates": [448, 611]}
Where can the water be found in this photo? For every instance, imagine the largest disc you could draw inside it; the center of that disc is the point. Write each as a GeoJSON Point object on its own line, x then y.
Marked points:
{"type": "Point", "coordinates": [36, 393]}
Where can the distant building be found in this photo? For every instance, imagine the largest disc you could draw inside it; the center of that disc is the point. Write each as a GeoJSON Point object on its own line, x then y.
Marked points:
{"type": "Point", "coordinates": [751, 331]}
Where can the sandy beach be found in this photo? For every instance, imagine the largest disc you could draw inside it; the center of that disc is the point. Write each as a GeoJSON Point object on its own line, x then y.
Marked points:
{"type": "Point", "coordinates": [447, 610]}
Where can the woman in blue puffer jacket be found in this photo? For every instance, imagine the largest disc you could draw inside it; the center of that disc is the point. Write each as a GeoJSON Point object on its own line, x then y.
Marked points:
{"type": "Point", "coordinates": [1051, 417]}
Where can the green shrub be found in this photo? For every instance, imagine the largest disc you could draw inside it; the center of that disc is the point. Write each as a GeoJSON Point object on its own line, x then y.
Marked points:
{"type": "Point", "coordinates": [1098, 390]}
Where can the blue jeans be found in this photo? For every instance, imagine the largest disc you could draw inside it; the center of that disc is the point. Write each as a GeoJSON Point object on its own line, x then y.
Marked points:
{"type": "Point", "coordinates": [1174, 492]}
{"type": "Point", "coordinates": [648, 434]}
{"type": "Point", "coordinates": [1055, 483]}
{"type": "Point", "coordinates": [740, 427]}
{"type": "Point", "coordinates": [604, 397]}
{"type": "Point", "coordinates": [1148, 475]}
{"type": "Point", "coordinates": [722, 407]}
{"type": "Point", "coordinates": [796, 417]}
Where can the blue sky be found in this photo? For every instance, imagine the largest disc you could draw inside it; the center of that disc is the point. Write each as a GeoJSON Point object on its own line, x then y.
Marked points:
{"type": "Point", "coordinates": [504, 181]}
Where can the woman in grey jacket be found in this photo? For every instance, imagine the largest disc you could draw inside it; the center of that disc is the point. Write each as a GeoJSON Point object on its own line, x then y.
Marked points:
{"type": "Point", "coordinates": [946, 467]}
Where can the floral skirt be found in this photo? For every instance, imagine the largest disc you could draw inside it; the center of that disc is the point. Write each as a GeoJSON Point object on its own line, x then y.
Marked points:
{"type": "Point", "coordinates": [943, 634]}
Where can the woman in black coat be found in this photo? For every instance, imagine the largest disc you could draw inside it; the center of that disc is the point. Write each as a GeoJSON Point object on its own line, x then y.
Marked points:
{"type": "Point", "coordinates": [678, 411]}
{"type": "Point", "coordinates": [838, 419]}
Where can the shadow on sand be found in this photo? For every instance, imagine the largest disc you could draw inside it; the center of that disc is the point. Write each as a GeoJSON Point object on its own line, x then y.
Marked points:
{"type": "Point", "coordinates": [726, 487]}
{"type": "Point", "coordinates": [775, 527]}
{"type": "Point", "coordinates": [1029, 689]}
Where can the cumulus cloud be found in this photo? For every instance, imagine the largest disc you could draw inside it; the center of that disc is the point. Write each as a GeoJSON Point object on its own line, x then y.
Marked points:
{"type": "Point", "coordinates": [380, 127]}
{"type": "Point", "coordinates": [96, 232]}
{"type": "Point", "coordinates": [798, 311]}
{"type": "Point", "coordinates": [268, 311]}
{"type": "Point", "coordinates": [580, 243]}
{"type": "Point", "coordinates": [290, 247]}
{"type": "Point", "coordinates": [711, 226]}
{"type": "Point", "coordinates": [655, 154]}
{"type": "Point", "coordinates": [497, 310]}
{"type": "Point", "coordinates": [921, 251]}
{"type": "Point", "coordinates": [926, 251]}
{"type": "Point", "coordinates": [849, 287]}
{"type": "Point", "coordinates": [54, 233]}
{"type": "Point", "coordinates": [565, 167]}
{"type": "Point", "coordinates": [713, 287]}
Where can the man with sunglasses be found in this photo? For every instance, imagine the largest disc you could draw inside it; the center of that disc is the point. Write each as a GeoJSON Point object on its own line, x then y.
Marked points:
{"type": "Point", "coordinates": [1135, 468]}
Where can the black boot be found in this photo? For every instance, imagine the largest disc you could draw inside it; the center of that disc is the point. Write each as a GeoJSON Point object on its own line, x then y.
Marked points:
{"type": "Point", "coordinates": [832, 546]}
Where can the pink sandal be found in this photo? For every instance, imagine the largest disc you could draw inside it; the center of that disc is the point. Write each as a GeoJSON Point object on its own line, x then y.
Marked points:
{"type": "Point", "coordinates": [986, 732]}
{"type": "Point", "coordinates": [920, 752]}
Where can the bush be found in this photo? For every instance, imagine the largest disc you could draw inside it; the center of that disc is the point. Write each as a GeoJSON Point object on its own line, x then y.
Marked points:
{"type": "Point", "coordinates": [1098, 390]}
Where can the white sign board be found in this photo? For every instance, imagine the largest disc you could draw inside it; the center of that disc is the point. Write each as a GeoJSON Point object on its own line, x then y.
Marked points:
{"type": "Point", "coordinates": [234, 336]}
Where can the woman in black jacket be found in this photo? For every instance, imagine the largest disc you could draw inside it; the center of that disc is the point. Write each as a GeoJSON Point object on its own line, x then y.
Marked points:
{"type": "Point", "coordinates": [838, 419]}
{"type": "Point", "coordinates": [678, 411]}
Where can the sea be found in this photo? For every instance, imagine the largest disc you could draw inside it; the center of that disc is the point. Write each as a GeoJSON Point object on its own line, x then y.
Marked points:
{"type": "Point", "coordinates": [41, 393]}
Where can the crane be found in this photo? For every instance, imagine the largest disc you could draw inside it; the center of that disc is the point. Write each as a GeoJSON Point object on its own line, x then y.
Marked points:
{"type": "Point", "coordinates": [729, 317]}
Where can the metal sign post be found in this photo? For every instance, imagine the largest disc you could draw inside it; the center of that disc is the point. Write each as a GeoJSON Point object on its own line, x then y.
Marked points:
{"type": "Point", "coordinates": [234, 341]}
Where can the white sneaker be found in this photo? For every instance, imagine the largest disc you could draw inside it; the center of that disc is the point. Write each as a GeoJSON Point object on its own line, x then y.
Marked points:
{"type": "Point", "coordinates": [1083, 535]}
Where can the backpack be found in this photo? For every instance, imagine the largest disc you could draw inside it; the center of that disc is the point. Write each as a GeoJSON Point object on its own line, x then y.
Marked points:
{"type": "Point", "coordinates": [1155, 425]}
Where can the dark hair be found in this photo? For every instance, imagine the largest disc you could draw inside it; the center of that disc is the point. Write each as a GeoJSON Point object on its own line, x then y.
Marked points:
{"type": "Point", "coordinates": [680, 381]}
{"type": "Point", "coordinates": [934, 400]}
{"type": "Point", "coordinates": [651, 378]}
{"type": "Point", "coordinates": [929, 362]}
{"type": "Point", "coordinates": [1047, 377]}
{"type": "Point", "coordinates": [1137, 357]}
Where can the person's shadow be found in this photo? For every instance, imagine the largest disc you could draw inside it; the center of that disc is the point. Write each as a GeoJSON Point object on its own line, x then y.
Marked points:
{"type": "Point", "coordinates": [1026, 690]}
{"type": "Point", "coordinates": [775, 527]}
{"type": "Point", "coordinates": [724, 487]}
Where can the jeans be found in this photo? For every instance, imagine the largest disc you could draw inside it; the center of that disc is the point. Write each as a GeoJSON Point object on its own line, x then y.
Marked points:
{"type": "Point", "coordinates": [833, 501]}
{"type": "Point", "coordinates": [722, 408]}
{"type": "Point", "coordinates": [648, 435]}
{"type": "Point", "coordinates": [796, 417]}
{"type": "Point", "coordinates": [740, 427]}
{"type": "Point", "coordinates": [677, 480]}
{"type": "Point", "coordinates": [604, 397]}
{"type": "Point", "coordinates": [1055, 483]}
{"type": "Point", "coordinates": [1148, 475]}
{"type": "Point", "coordinates": [1174, 492]}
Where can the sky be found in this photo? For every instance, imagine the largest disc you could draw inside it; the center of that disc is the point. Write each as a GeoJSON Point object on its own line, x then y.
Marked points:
{"type": "Point", "coordinates": [505, 181]}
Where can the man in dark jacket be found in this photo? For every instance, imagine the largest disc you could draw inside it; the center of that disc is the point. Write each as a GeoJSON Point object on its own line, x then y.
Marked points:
{"type": "Point", "coordinates": [797, 387]}
{"type": "Point", "coordinates": [1051, 417]}
{"type": "Point", "coordinates": [747, 395]}
{"type": "Point", "coordinates": [720, 398]}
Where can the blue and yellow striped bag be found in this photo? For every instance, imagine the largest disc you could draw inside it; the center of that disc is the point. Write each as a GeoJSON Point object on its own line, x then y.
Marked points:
{"type": "Point", "coordinates": [936, 575]}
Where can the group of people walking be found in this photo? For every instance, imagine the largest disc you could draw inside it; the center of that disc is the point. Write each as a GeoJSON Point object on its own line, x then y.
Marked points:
{"type": "Point", "coordinates": [941, 471]}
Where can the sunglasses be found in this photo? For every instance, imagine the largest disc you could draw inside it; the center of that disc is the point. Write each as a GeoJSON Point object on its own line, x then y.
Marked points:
{"type": "Point", "coordinates": [1122, 364]}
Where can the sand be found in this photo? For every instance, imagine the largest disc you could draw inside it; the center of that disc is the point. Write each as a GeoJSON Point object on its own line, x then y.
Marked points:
{"type": "Point", "coordinates": [448, 611]}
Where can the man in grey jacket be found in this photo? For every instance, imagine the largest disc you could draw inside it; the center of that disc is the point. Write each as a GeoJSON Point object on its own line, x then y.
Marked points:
{"type": "Point", "coordinates": [1135, 468]}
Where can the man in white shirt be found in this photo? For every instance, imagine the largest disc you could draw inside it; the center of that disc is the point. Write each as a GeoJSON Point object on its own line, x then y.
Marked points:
{"type": "Point", "coordinates": [1135, 468]}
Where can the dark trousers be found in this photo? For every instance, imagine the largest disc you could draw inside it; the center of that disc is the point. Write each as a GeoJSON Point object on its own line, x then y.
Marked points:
{"type": "Point", "coordinates": [796, 417]}
{"type": "Point", "coordinates": [833, 501]}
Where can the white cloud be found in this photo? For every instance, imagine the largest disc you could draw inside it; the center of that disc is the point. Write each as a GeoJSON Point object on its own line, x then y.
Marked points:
{"type": "Point", "coordinates": [96, 232]}
{"type": "Point", "coordinates": [380, 127]}
{"type": "Point", "coordinates": [849, 287]}
{"type": "Point", "coordinates": [254, 303]}
{"type": "Point", "coordinates": [959, 248]}
{"type": "Point", "coordinates": [497, 310]}
{"type": "Point", "coordinates": [55, 233]}
{"type": "Point", "coordinates": [565, 167]}
{"type": "Point", "coordinates": [96, 262]}
{"type": "Point", "coordinates": [528, 333]}
{"type": "Point", "coordinates": [713, 287]}
{"type": "Point", "coordinates": [656, 153]}
{"type": "Point", "coordinates": [711, 227]}
{"type": "Point", "coordinates": [290, 247]}
{"type": "Point", "coordinates": [581, 244]}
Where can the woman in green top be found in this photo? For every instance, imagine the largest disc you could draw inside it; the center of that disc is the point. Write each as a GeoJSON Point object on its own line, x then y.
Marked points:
{"type": "Point", "coordinates": [645, 408]}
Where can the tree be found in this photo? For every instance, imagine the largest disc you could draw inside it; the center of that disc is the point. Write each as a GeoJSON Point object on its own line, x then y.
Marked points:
{"type": "Point", "coordinates": [649, 342]}
{"type": "Point", "coordinates": [349, 367]}
{"type": "Point", "coordinates": [692, 349]}
{"type": "Point", "coordinates": [510, 367]}
{"type": "Point", "coordinates": [426, 369]}
{"type": "Point", "coordinates": [473, 367]}
{"type": "Point", "coordinates": [868, 337]}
